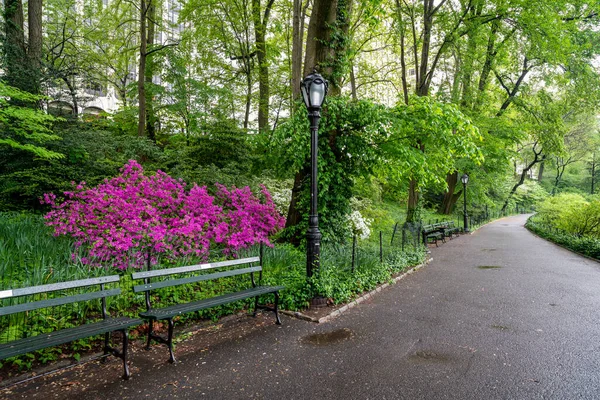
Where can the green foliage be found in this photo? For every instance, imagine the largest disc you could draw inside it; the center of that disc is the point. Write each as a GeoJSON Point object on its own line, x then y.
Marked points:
{"type": "Point", "coordinates": [224, 154]}
{"type": "Point", "coordinates": [91, 153]}
{"type": "Point", "coordinates": [423, 140]}
{"type": "Point", "coordinates": [23, 126]}
{"type": "Point", "coordinates": [348, 135]}
{"type": "Point", "coordinates": [586, 245]}
{"type": "Point", "coordinates": [571, 213]}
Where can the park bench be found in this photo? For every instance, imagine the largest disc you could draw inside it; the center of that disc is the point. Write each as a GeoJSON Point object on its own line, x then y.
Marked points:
{"type": "Point", "coordinates": [62, 295]}
{"type": "Point", "coordinates": [194, 274]}
{"type": "Point", "coordinates": [449, 229]}
{"type": "Point", "coordinates": [432, 233]}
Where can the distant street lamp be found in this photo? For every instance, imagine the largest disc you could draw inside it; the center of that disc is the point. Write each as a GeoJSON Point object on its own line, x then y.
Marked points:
{"type": "Point", "coordinates": [314, 90]}
{"type": "Point", "coordinates": [465, 179]}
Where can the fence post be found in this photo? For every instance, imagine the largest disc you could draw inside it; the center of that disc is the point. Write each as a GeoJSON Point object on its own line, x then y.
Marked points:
{"type": "Point", "coordinates": [381, 246]}
{"type": "Point", "coordinates": [394, 234]}
{"type": "Point", "coordinates": [403, 237]}
{"type": "Point", "coordinates": [353, 252]}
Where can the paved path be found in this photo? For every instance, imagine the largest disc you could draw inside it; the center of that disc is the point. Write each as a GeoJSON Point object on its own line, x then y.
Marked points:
{"type": "Point", "coordinates": [524, 327]}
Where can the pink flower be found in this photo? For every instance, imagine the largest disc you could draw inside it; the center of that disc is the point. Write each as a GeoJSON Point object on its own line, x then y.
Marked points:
{"type": "Point", "coordinates": [119, 220]}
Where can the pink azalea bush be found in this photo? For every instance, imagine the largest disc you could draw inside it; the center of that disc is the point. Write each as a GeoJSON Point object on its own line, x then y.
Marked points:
{"type": "Point", "coordinates": [132, 215]}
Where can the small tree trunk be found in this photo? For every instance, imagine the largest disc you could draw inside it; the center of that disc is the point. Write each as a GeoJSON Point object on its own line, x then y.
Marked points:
{"type": "Point", "coordinates": [524, 173]}
{"type": "Point", "coordinates": [541, 171]}
{"type": "Point", "coordinates": [593, 172]}
{"type": "Point", "coordinates": [142, 70]}
{"type": "Point", "coordinates": [297, 39]}
{"type": "Point", "coordinates": [412, 214]}
{"type": "Point", "coordinates": [248, 99]}
{"type": "Point", "coordinates": [353, 82]}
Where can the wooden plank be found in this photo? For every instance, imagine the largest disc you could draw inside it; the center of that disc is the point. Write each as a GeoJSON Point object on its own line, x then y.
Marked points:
{"type": "Point", "coordinates": [52, 287]}
{"type": "Point", "coordinates": [192, 268]}
{"type": "Point", "coordinates": [44, 340]}
{"type": "Point", "coordinates": [59, 301]}
{"type": "Point", "coordinates": [192, 279]}
{"type": "Point", "coordinates": [179, 309]}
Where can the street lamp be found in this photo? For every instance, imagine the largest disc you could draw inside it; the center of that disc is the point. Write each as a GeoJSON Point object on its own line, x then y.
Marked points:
{"type": "Point", "coordinates": [314, 90]}
{"type": "Point", "coordinates": [465, 179]}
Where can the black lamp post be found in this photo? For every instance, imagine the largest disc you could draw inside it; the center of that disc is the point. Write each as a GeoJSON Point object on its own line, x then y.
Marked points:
{"type": "Point", "coordinates": [465, 180]}
{"type": "Point", "coordinates": [314, 90]}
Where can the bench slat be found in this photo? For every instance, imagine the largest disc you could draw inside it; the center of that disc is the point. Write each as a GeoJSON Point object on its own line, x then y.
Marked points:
{"type": "Point", "coordinates": [178, 309]}
{"type": "Point", "coordinates": [57, 301]}
{"type": "Point", "coordinates": [192, 279]}
{"type": "Point", "coordinates": [5, 294]}
{"type": "Point", "coordinates": [44, 340]}
{"type": "Point", "coordinates": [192, 268]}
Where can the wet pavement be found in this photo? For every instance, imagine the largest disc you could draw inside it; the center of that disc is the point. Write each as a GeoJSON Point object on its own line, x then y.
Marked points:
{"type": "Point", "coordinates": [500, 314]}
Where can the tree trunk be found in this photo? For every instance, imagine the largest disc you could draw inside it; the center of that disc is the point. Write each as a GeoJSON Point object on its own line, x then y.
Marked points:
{"type": "Point", "coordinates": [593, 172]}
{"type": "Point", "coordinates": [541, 171]}
{"type": "Point", "coordinates": [149, 101]}
{"type": "Point", "coordinates": [248, 99]}
{"type": "Point", "coordinates": [142, 70]}
{"type": "Point", "coordinates": [325, 15]}
{"type": "Point", "coordinates": [14, 43]}
{"type": "Point", "coordinates": [353, 82]}
{"type": "Point", "coordinates": [297, 39]}
{"type": "Point", "coordinates": [538, 157]}
{"type": "Point", "coordinates": [412, 211]}
{"type": "Point", "coordinates": [260, 29]}
{"type": "Point", "coordinates": [513, 92]}
{"type": "Point", "coordinates": [73, 94]}
{"type": "Point", "coordinates": [34, 48]}
{"type": "Point", "coordinates": [402, 29]}
{"type": "Point", "coordinates": [450, 198]}
{"type": "Point", "coordinates": [490, 54]}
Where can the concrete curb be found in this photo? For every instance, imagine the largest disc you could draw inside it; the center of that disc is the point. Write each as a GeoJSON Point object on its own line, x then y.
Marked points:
{"type": "Point", "coordinates": [356, 302]}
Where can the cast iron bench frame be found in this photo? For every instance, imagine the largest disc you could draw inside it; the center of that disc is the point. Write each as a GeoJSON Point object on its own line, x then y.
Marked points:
{"type": "Point", "coordinates": [105, 326]}
{"type": "Point", "coordinates": [432, 232]}
{"type": "Point", "coordinates": [449, 229]}
{"type": "Point", "coordinates": [168, 313]}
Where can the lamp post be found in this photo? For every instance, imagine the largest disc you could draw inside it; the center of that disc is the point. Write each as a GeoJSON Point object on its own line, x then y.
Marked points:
{"type": "Point", "coordinates": [314, 90]}
{"type": "Point", "coordinates": [465, 179]}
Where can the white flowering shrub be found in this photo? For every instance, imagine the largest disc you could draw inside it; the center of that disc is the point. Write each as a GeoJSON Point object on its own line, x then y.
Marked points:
{"type": "Point", "coordinates": [281, 192]}
{"type": "Point", "coordinates": [359, 225]}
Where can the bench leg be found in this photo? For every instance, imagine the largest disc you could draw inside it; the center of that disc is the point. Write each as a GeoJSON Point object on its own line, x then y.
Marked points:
{"type": "Point", "coordinates": [107, 348]}
{"type": "Point", "coordinates": [277, 308]}
{"type": "Point", "coordinates": [170, 341]}
{"type": "Point", "coordinates": [126, 373]}
{"type": "Point", "coordinates": [150, 328]}
{"type": "Point", "coordinates": [255, 306]}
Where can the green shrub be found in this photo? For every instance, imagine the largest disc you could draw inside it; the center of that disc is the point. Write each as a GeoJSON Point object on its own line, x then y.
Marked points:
{"type": "Point", "coordinates": [586, 245]}
{"type": "Point", "coordinates": [571, 213]}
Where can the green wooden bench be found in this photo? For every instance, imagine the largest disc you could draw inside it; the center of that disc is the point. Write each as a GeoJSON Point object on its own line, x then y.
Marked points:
{"type": "Point", "coordinates": [195, 273]}
{"type": "Point", "coordinates": [41, 341]}
{"type": "Point", "coordinates": [432, 233]}
{"type": "Point", "coordinates": [449, 229]}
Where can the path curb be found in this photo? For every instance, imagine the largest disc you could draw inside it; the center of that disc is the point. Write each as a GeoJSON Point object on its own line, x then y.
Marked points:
{"type": "Point", "coordinates": [357, 301]}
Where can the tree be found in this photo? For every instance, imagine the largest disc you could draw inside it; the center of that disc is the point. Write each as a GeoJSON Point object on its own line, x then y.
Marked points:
{"type": "Point", "coordinates": [326, 50]}
{"type": "Point", "coordinates": [25, 128]}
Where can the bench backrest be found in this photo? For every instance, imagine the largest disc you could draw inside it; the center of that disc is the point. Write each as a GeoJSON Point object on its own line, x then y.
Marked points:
{"type": "Point", "coordinates": [429, 228]}
{"type": "Point", "coordinates": [102, 293]}
{"type": "Point", "coordinates": [240, 266]}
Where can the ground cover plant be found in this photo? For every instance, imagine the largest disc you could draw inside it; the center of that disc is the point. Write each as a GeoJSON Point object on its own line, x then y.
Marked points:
{"type": "Point", "coordinates": [571, 220]}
